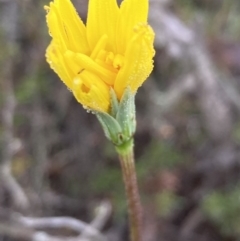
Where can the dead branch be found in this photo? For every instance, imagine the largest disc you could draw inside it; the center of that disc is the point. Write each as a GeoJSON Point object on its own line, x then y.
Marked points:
{"type": "Point", "coordinates": [16, 225]}
{"type": "Point", "coordinates": [167, 100]}
{"type": "Point", "coordinates": [9, 29]}
{"type": "Point", "coordinates": [104, 211]}
{"type": "Point", "coordinates": [23, 233]}
{"type": "Point", "coordinates": [58, 222]}
{"type": "Point", "coordinates": [185, 44]}
{"type": "Point", "coordinates": [16, 231]}
{"type": "Point", "coordinates": [90, 232]}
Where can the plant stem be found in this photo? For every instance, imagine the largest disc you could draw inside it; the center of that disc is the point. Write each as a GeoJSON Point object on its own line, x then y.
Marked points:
{"type": "Point", "coordinates": [126, 157]}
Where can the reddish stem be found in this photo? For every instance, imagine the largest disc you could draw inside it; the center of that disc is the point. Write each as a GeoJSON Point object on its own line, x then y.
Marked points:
{"type": "Point", "coordinates": [133, 198]}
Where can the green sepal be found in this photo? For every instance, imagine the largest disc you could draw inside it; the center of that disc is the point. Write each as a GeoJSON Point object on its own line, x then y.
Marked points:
{"type": "Point", "coordinates": [114, 103]}
{"type": "Point", "coordinates": [132, 116]}
{"type": "Point", "coordinates": [119, 124]}
{"type": "Point", "coordinates": [126, 113]}
{"type": "Point", "coordinates": [111, 128]}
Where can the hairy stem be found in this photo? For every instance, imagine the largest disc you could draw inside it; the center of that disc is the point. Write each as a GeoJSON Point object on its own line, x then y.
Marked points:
{"type": "Point", "coordinates": [126, 157]}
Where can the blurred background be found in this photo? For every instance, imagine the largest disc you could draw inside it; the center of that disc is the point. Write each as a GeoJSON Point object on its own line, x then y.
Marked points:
{"type": "Point", "coordinates": [60, 177]}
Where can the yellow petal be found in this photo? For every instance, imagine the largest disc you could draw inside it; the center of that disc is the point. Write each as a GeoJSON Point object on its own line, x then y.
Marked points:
{"type": "Point", "coordinates": [114, 50]}
{"type": "Point", "coordinates": [101, 44]}
{"type": "Point", "coordinates": [102, 19]}
{"type": "Point", "coordinates": [87, 63]}
{"type": "Point", "coordinates": [132, 12]}
{"type": "Point", "coordinates": [56, 61]}
{"type": "Point", "coordinates": [91, 91]}
{"type": "Point", "coordinates": [55, 27]}
{"type": "Point", "coordinates": [138, 60]}
{"type": "Point", "coordinates": [66, 26]}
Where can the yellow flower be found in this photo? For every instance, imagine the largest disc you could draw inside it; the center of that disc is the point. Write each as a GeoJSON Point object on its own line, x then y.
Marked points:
{"type": "Point", "coordinates": [113, 50]}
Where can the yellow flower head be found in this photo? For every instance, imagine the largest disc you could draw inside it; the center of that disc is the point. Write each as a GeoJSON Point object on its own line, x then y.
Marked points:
{"type": "Point", "coordinates": [113, 50]}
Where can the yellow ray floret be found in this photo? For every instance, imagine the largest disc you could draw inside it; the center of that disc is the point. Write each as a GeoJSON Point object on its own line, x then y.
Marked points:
{"type": "Point", "coordinates": [113, 51]}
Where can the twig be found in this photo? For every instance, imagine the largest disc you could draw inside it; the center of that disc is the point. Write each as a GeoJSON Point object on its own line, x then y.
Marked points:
{"type": "Point", "coordinates": [103, 213]}
{"type": "Point", "coordinates": [168, 99]}
{"type": "Point", "coordinates": [58, 222]}
{"type": "Point", "coordinates": [20, 232]}
{"type": "Point", "coordinates": [16, 231]}
{"type": "Point", "coordinates": [9, 35]}
{"type": "Point", "coordinates": [212, 99]}
{"type": "Point", "coordinates": [190, 48]}
{"type": "Point", "coordinates": [86, 231]}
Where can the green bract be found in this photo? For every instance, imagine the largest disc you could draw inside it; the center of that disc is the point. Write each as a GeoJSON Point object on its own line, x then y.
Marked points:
{"type": "Point", "coordinates": [120, 124]}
